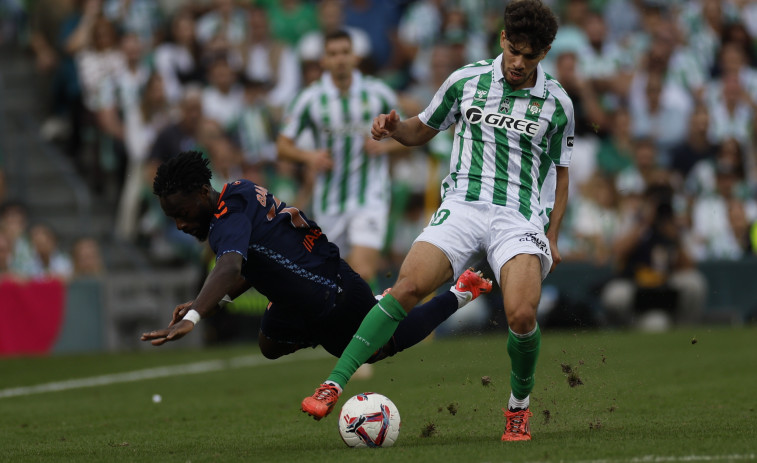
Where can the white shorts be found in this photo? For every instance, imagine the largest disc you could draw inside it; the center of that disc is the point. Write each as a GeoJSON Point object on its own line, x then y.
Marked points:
{"type": "Point", "coordinates": [363, 227]}
{"type": "Point", "coordinates": [468, 231]}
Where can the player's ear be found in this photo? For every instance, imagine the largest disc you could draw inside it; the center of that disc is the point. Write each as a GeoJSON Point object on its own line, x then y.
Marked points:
{"type": "Point", "coordinates": [545, 51]}
{"type": "Point", "coordinates": [205, 191]}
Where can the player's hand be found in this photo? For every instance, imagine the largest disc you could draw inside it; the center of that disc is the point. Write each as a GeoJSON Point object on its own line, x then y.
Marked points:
{"type": "Point", "coordinates": [320, 161]}
{"type": "Point", "coordinates": [172, 333]}
{"type": "Point", "coordinates": [556, 257]}
{"type": "Point", "coordinates": [179, 312]}
{"type": "Point", "coordinates": [384, 125]}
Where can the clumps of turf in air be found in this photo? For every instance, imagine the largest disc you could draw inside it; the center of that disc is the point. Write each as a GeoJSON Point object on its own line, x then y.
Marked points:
{"type": "Point", "coordinates": [428, 430]}
{"type": "Point", "coordinates": [573, 378]}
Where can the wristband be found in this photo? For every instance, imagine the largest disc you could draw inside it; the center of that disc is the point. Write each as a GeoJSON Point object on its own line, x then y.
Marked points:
{"type": "Point", "coordinates": [193, 316]}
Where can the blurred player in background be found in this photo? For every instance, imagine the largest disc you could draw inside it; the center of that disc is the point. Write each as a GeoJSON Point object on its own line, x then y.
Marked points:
{"type": "Point", "coordinates": [514, 124]}
{"type": "Point", "coordinates": [315, 297]}
{"type": "Point", "coordinates": [352, 189]}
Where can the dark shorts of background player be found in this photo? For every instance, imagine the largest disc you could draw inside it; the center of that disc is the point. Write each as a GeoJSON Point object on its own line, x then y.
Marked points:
{"type": "Point", "coordinates": [331, 328]}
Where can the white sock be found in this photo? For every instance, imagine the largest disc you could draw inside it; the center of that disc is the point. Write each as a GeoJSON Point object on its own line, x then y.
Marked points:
{"type": "Point", "coordinates": [463, 297]}
{"type": "Point", "coordinates": [336, 385]}
{"type": "Point", "coordinates": [524, 335]}
{"type": "Point", "coordinates": [514, 403]}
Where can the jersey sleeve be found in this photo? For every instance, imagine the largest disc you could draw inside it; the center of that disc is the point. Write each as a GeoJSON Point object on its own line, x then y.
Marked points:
{"type": "Point", "coordinates": [443, 111]}
{"type": "Point", "coordinates": [561, 139]}
{"type": "Point", "coordinates": [297, 116]}
{"type": "Point", "coordinates": [231, 231]}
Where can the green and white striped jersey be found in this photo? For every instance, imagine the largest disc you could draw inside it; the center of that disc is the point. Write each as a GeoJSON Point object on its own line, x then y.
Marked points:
{"type": "Point", "coordinates": [505, 140]}
{"type": "Point", "coordinates": [341, 124]}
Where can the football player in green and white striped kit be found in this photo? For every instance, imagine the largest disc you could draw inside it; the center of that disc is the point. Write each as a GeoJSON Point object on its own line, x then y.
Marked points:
{"type": "Point", "coordinates": [513, 126]}
{"type": "Point", "coordinates": [352, 190]}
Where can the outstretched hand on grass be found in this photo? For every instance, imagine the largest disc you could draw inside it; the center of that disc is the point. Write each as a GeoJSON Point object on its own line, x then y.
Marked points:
{"type": "Point", "coordinates": [176, 329]}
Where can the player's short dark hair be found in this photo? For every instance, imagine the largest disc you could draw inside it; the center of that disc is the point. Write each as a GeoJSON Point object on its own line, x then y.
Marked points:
{"type": "Point", "coordinates": [337, 35]}
{"type": "Point", "coordinates": [531, 22]}
{"type": "Point", "coordinates": [186, 173]}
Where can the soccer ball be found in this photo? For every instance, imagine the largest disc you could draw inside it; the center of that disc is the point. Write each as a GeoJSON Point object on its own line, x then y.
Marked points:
{"type": "Point", "coordinates": [369, 420]}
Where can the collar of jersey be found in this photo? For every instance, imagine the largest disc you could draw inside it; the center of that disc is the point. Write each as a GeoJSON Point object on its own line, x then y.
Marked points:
{"type": "Point", "coordinates": [539, 90]}
{"type": "Point", "coordinates": [219, 203]}
{"type": "Point", "coordinates": [328, 83]}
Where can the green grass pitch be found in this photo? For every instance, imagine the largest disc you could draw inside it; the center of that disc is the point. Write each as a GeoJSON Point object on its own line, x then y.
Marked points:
{"type": "Point", "coordinates": [601, 396]}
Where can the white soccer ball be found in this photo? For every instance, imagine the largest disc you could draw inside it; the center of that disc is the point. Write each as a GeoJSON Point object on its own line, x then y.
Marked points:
{"type": "Point", "coordinates": [369, 420]}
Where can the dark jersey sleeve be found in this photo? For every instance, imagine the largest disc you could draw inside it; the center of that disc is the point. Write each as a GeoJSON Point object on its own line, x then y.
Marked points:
{"type": "Point", "coordinates": [231, 233]}
{"type": "Point", "coordinates": [231, 229]}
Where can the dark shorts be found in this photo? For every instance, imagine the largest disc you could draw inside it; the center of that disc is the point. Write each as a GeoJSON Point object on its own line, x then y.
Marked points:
{"type": "Point", "coordinates": [331, 327]}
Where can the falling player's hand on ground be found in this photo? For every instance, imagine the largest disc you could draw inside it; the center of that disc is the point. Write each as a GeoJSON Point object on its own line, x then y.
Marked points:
{"type": "Point", "coordinates": [176, 329]}
{"type": "Point", "coordinates": [179, 311]}
{"type": "Point", "coordinates": [172, 333]}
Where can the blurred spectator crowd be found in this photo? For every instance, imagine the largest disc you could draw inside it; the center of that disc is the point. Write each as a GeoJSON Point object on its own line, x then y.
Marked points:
{"type": "Point", "coordinates": [664, 171]}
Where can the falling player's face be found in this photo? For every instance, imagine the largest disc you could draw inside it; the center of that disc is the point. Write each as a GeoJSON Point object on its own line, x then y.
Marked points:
{"type": "Point", "coordinates": [338, 57]}
{"type": "Point", "coordinates": [519, 62]}
{"type": "Point", "coordinates": [192, 212]}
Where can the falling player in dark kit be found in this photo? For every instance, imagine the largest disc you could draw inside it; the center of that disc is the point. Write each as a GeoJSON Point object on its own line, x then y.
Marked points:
{"type": "Point", "coordinates": [315, 297]}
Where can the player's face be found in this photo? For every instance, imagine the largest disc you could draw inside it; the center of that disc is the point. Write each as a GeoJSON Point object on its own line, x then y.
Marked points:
{"type": "Point", "coordinates": [191, 212]}
{"type": "Point", "coordinates": [338, 58]}
{"type": "Point", "coordinates": [519, 62]}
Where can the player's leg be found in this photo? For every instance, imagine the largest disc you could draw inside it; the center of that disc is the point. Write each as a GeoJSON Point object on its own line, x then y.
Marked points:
{"type": "Point", "coordinates": [282, 331]}
{"type": "Point", "coordinates": [366, 234]}
{"type": "Point", "coordinates": [520, 280]}
{"type": "Point", "coordinates": [425, 318]}
{"type": "Point", "coordinates": [365, 261]}
{"type": "Point", "coordinates": [520, 250]}
{"type": "Point", "coordinates": [272, 349]}
{"type": "Point", "coordinates": [451, 240]}
{"type": "Point", "coordinates": [424, 269]}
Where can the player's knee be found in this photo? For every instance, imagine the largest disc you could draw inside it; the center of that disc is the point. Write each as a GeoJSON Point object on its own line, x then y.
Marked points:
{"type": "Point", "coordinates": [272, 349]}
{"type": "Point", "coordinates": [522, 319]}
{"type": "Point", "coordinates": [408, 292]}
{"type": "Point", "coordinates": [271, 355]}
{"type": "Point", "coordinates": [270, 352]}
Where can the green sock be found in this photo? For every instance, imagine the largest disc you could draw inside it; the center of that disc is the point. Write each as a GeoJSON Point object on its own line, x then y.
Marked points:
{"type": "Point", "coordinates": [523, 351]}
{"type": "Point", "coordinates": [375, 330]}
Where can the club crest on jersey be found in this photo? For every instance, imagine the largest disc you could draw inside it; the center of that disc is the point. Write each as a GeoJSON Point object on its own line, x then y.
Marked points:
{"type": "Point", "coordinates": [504, 107]}
{"type": "Point", "coordinates": [480, 95]}
{"type": "Point", "coordinates": [534, 108]}
{"type": "Point", "coordinates": [476, 115]}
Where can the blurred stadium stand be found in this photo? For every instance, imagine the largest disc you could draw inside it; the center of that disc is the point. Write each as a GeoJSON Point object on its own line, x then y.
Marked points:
{"type": "Point", "coordinates": [103, 313]}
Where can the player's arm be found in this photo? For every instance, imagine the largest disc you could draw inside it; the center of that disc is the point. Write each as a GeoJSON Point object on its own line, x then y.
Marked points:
{"type": "Point", "coordinates": [239, 288]}
{"type": "Point", "coordinates": [318, 160]}
{"type": "Point", "coordinates": [223, 279]}
{"type": "Point", "coordinates": [181, 310]}
{"type": "Point", "coordinates": [389, 146]}
{"type": "Point", "coordinates": [410, 132]}
{"type": "Point", "coordinates": [558, 212]}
